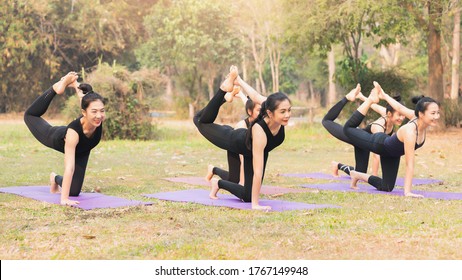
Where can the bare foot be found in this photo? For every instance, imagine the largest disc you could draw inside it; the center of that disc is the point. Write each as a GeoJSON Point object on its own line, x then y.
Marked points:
{"type": "Point", "coordinates": [354, 180]}
{"type": "Point", "coordinates": [68, 80]}
{"type": "Point", "coordinates": [228, 83]}
{"type": "Point", "coordinates": [374, 96]}
{"type": "Point", "coordinates": [229, 96]}
{"type": "Point", "coordinates": [214, 188]}
{"type": "Point", "coordinates": [361, 96]}
{"type": "Point", "coordinates": [334, 166]}
{"type": "Point", "coordinates": [261, 207]}
{"type": "Point", "coordinates": [209, 175]}
{"type": "Point", "coordinates": [351, 96]}
{"type": "Point", "coordinates": [54, 187]}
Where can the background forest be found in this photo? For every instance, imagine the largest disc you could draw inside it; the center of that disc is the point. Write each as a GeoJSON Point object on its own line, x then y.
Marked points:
{"type": "Point", "coordinates": [169, 56]}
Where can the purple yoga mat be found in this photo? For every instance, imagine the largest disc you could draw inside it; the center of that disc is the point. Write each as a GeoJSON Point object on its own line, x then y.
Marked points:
{"type": "Point", "coordinates": [87, 201]}
{"type": "Point", "coordinates": [202, 197]}
{"type": "Point", "coordinates": [265, 189]}
{"type": "Point", "coordinates": [345, 187]}
{"type": "Point", "coordinates": [318, 175]}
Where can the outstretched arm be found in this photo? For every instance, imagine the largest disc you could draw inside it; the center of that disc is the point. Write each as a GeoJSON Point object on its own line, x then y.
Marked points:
{"type": "Point", "coordinates": [72, 139]}
{"type": "Point", "coordinates": [258, 145]}
{"type": "Point", "coordinates": [409, 136]}
{"type": "Point", "coordinates": [408, 113]}
{"type": "Point", "coordinates": [251, 92]}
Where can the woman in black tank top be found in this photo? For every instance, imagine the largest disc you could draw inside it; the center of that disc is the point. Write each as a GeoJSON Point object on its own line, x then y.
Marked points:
{"type": "Point", "coordinates": [405, 141]}
{"type": "Point", "coordinates": [389, 118]}
{"type": "Point", "coordinates": [236, 161]}
{"type": "Point", "coordinates": [75, 140]}
{"type": "Point", "coordinates": [265, 134]}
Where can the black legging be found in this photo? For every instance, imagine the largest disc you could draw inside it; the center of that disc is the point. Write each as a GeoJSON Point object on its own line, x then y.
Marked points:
{"type": "Point", "coordinates": [227, 138]}
{"type": "Point", "coordinates": [336, 130]}
{"type": "Point", "coordinates": [234, 164]}
{"type": "Point", "coordinates": [373, 143]}
{"type": "Point", "coordinates": [52, 137]}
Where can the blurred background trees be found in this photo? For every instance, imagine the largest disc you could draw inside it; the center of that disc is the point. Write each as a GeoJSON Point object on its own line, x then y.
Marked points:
{"type": "Point", "coordinates": [170, 55]}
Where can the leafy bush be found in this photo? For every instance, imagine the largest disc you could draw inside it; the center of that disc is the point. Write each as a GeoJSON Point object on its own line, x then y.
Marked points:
{"type": "Point", "coordinates": [127, 116]}
{"type": "Point", "coordinates": [392, 81]}
{"type": "Point", "coordinates": [452, 112]}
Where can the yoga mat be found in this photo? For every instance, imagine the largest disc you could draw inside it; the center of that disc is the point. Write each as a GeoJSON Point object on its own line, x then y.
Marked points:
{"type": "Point", "coordinates": [225, 200]}
{"type": "Point", "coordinates": [345, 187]}
{"type": "Point", "coordinates": [318, 175]}
{"type": "Point", "coordinates": [265, 189]}
{"type": "Point", "coordinates": [87, 201]}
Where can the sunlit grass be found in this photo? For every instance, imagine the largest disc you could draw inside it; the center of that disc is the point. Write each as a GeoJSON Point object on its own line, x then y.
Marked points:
{"type": "Point", "coordinates": [365, 227]}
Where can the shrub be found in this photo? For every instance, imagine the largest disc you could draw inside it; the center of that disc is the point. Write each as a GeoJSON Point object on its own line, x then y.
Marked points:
{"type": "Point", "coordinates": [127, 117]}
{"type": "Point", "coordinates": [452, 112]}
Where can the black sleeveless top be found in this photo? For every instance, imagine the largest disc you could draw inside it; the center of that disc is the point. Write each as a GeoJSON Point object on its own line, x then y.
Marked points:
{"type": "Point", "coordinates": [85, 144]}
{"type": "Point", "coordinates": [395, 148]}
{"type": "Point", "coordinates": [272, 140]}
{"type": "Point", "coordinates": [368, 128]}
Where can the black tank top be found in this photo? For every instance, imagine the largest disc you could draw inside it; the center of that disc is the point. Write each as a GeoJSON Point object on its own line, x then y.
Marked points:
{"type": "Point", "coordinates": [272, 140]}
{"type": "Point", "coordinates": [85, 144]}
{"type": "Point", "coordinates": [395, 148]}
{"type": "Point", "coordinates": [368, 128]}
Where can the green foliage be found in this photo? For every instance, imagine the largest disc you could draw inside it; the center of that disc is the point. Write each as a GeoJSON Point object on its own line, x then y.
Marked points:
{"type": "Point", "coordinates": [189, 40]}
{"type": "Point", "coordinates": [393, 82]}
{"type": "Point", "coordinates": [452, 112]}
{"type": "Point", "coordinates": [26, 59]}
{"type": "Point", "coordinates": [127, 117]}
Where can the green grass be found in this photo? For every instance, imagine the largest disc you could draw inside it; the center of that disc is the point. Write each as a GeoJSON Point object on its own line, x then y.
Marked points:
{"type": "Point", "coordinates": [365, 227]}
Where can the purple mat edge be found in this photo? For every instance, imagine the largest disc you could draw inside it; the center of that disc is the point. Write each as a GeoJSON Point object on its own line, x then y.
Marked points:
{"type": "Point", "coordinates": [230, 201]}
{"type": "Point", "coordinates": [320, 175]}
{"type": "Point", "coordinates": [344, 187]}
{"type": "Point", "coordinates": [88, 201]}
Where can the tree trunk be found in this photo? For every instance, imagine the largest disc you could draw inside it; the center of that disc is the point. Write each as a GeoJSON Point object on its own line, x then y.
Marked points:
{"type": "Point", "coordinates": [435, 63]}
{"type": "Point", "coordinates": [332, 93]}
{"type": "Point", "coordinates": [259, 59]}
{"type": "Point", "coordinates": [455, 52]}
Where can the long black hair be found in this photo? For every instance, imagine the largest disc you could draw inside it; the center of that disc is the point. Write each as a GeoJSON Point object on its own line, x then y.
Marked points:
{"type": "Point", "coordinates": [249, 106]}
{"type": "Point", "coordinates": [271, 104]}
{"type": "Point", "coordinates": [422, 103]}
{"type": "Point", "coordinates": [89, 96]}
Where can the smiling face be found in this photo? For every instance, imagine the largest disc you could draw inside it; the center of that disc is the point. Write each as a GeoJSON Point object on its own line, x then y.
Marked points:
{"type": "Point", "coordinates": [431, 115]}
{"type": "Point", "coordinates": [396, 118]}
{"type": "Point", "coordinates": [281, 114]}
{"type": "Point", "coordinates": [95, 113]}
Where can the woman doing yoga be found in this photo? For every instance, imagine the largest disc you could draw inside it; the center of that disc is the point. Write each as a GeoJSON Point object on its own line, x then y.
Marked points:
{"type": "Point", "coordinates": [74, 140]}
{"type": "Point", "coordinates": [235, 161]}
{"type": "Point", "coordinates": [405, 141]}
{"type": "Point", "coordinates": [386, 123]}
{"type": "Point", "coordinates": [255, 143]}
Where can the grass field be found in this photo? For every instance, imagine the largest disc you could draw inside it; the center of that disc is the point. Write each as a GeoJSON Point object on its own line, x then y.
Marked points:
{"type": "Point", "coordinates": [365, 227]}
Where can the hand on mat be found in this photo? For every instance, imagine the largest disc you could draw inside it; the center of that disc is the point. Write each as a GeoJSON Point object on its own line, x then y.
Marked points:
{"type": "Point", "coordinates": [413, 195]}
{"type": "Point", "coordinates": [69, 202]}
{"type": "Point", "coordinates": [261, 207]}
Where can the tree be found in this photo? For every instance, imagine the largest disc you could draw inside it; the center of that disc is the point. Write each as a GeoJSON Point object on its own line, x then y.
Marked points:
{"type": "Point", "coordinates": [190, 40]}
{"type": "Point", "coordinates": [455, 52]}
{"type": "Point", "coordinates": [26, 58]}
